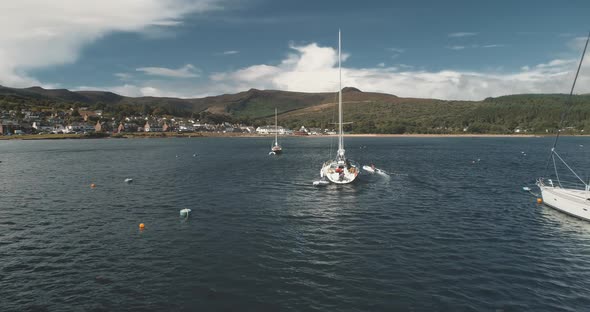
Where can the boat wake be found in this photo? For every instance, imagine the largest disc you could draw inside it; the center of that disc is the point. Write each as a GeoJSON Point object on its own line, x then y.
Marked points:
{"type": "Point", "coordinates": [374, 170]}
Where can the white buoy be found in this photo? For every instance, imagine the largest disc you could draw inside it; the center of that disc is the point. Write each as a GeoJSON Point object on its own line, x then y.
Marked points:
{"type": "Point", "coordinates": [194, 155]}
{"type": "Point", "coordinates": [185, 212]}
{"type": "Point", "coordinates": [128, 180]}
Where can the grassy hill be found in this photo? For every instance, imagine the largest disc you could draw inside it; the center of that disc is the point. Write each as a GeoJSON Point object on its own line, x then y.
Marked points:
{"type": "Point", "coordinates": [370, 112]}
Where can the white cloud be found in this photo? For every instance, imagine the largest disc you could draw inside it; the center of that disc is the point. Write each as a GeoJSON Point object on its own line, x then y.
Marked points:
{"type": "Point", "coordinates": [133, 90]}
{"type": "Point", "coordinates": [474, 46]}
{"type": "Point", "coordinates": [462, 34]}
{"type": "Point", "coordinates": [186, 71]}
{"type": "Point", "coordinates": [493, 46]}
{"type": "Point", "coordinates": [230, 52]}
{"type": "Point", "coordinates": [577, 43]}
{"type": "Point", "coordinates": [456, 47]}
{"type": "Point", "coordinates": [151, 91]}
{"type": "Point", "coordinates": [556, 64]}
{"type": "Point", "coordinates": [381, 64]}
{"type": "Point", "coordinates": [396, 50]}
{"type": "Point", "coordinates": [312, 68]}
{"type": "Point", "coordinates": [40, 33]}
{"type": "Point", "coordinates": [123, 76]}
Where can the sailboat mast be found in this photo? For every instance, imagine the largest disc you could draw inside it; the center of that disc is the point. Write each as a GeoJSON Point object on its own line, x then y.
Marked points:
{"type": "Point", "coordinates": [276, 128]}
{"type": "Point", "coordinates": [340, 132]}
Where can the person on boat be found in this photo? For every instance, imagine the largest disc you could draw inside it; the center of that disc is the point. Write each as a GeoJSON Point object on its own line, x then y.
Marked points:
{"type": "Point", "coordinates": [340, 171]}
{"type": "Point", "coordinates": [373, 167]}
{"type": "Point", "coordinates": [347, 164]}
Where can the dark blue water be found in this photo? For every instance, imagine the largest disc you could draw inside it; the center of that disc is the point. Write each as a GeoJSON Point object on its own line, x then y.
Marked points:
{"type": "Point", "coordinates": [443, 234]}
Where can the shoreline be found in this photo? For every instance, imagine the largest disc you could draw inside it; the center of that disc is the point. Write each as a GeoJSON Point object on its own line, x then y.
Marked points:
{"type": "Point", "coordinates": [161, 135]}
{"type": "Point", "coordinates": [445, 135]}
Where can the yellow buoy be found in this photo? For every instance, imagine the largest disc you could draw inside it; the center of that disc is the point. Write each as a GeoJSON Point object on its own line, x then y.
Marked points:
{"type": "Point", "coordinates": [141, 226]}
{"type": "Point", "coordinates": [539, 200]}
{"type": "Point", "coordinates": [92, 185]}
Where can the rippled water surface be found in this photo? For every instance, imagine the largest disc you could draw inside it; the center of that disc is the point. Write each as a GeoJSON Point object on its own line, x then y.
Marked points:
{"type": "Point", "coordinates": [441, 234]}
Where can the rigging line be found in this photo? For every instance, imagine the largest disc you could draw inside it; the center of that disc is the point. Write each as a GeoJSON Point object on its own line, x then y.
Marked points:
{"type": "Point", "coordinates": [555, 167]}
{"type": "Point", "coordinates": [563, 161]}
{"type": "Point", "coordinates": [333, 117]}
{"type": "Point", "coordinates": [569, 101]}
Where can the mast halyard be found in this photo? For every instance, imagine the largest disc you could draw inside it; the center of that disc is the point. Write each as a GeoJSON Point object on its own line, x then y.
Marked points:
{"type": "Point", "coordinates": [276, 129]}
{"type": "Point", "coordinates": [275, 147]}
{"type": "Point", "coordinates": [340, 131]}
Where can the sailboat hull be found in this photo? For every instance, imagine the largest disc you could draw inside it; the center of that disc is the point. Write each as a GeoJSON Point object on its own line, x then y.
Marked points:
{"type": "Point", "coordinates": [277, 150]}
{"type": "Point", "coordinates": [339, 172]}
{"type": "Point", "coordinates": [570, 201]}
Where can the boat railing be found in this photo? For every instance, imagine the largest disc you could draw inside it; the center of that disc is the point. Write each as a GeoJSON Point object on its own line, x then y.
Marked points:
{"type": "Point", "coordinates": [572, 185]}
{"type": "Point", "coordinates": [562, 184]}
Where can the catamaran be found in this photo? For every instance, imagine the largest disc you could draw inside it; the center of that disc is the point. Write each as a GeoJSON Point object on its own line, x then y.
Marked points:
{"type": "Point", "coordinates": [276, 148]}
{"type": "Point", "coordinates": [340, 170]}
{"type": "Point", "coordinates": [574, 198]}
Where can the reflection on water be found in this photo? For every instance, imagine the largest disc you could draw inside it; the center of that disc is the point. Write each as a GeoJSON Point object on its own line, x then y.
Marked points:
{"type": "Point", "coordinates": [563, 222]}
{"type": "Point", "coordinates": [448, 234]}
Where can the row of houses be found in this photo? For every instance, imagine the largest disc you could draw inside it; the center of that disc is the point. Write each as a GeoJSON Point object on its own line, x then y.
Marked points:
{"type": "Point", "coordinates": [284, 131]}
{"type": "Point", "coordinates": [51, 121]}
{"type": "Point", "coordinates": [10, 127]}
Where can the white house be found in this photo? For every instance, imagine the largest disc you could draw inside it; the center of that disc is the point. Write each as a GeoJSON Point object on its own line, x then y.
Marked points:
{"type": "Point", "coordinates": [58, 129]}
{"type": "Point", "coordinates": [41, 127]}
{"type": "Point", "coordinates": [270, 130]}
{"type": "Point", "coordinates": [248, 129]}
{"type": "Point", "coordinates": [186, 128]}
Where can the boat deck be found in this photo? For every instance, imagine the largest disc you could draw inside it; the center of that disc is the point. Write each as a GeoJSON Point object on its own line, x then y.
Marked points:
{"type": "Point", "coordinates": [578, 194]}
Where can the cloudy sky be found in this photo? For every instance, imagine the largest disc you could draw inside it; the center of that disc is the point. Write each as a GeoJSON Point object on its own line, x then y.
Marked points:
{"type": "Point", "coordinates": [193, 48]}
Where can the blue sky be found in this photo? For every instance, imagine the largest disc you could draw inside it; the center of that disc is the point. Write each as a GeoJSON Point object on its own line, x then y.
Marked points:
{"type": "Point", "coordinates": [193, 48]}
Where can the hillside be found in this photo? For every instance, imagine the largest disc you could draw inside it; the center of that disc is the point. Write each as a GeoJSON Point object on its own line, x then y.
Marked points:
{"type": "Point", "coordinates": [370, 112]}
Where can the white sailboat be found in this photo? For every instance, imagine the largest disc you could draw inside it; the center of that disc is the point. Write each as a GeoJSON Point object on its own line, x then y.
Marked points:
{"type": "Point", "coordinates": [340, 170]}
{"type": "Point", "coordinates": [570, 198]}
{"type": "Point", "coordinates": [276, 148]}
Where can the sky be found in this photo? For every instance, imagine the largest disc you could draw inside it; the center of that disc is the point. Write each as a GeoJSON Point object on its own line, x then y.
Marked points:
{"type": "Point", "coordinates": [450, 50]}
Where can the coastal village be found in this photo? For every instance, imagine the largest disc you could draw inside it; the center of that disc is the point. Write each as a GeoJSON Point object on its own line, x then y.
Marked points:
{"type": "Point", "coordinates": [85, 121]}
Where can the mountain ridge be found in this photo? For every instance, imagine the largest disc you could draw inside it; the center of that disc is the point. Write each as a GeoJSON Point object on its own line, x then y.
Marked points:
{"type": "Point", "coordinates": [371, 112]}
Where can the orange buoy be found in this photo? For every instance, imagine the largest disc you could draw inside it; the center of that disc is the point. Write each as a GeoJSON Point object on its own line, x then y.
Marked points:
{"type": "Point", "coordinates": [141, 226]}
{"type": "Point", "coordinates": [92, 185]}
{"type": "Point", "coordinates": [539, 200]}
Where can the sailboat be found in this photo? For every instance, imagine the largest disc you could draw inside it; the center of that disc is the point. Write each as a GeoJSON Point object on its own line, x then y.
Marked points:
{"type": "Point", "coordinates": [340, 170]}
{"type": "Point", "coordinates": [574, 198]}
{"type": "Point", "coordinates": [276, 148]}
